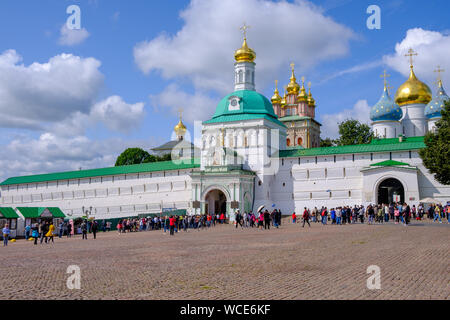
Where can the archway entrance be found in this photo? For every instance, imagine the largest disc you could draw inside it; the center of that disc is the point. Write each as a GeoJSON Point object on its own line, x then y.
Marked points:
{"type": "Point", "coordinates": [215, 202]}
{"type": "Point", "coordinates": [391, 190]}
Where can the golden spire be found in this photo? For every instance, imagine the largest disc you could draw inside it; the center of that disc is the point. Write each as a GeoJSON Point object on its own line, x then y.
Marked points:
{"type": "Point", "coordinates": [413, 90]}
{"type": "Point", "coordinates": [385, 76]}
{"type": "Point", "coordinates": [180, 128]}
{"type": "Point", "coordinates": [439, 79]}
{"type": "Point", "coordinates": [410, 54]}
{"type": "Point", "coordinates": [293, 87]}
{"type": "Point", "coordinates": [244, 54]}
{"type": "Point", "coordinates": [311, 100]}
{"type": "Point", "coordinates": [276, 96]}
{"type": "Point", "coordinates": [283, 101]}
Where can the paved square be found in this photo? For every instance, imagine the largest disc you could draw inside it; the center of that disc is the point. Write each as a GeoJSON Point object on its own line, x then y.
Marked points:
{"type": "Point", "coordinates": [321, 262]}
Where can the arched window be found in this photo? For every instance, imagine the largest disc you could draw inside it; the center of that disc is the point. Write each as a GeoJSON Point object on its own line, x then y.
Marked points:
{"type": "Point", "coordinates": [240, 76]}
{"type": "Point", "coordinates": [288, 142]}
{"type": "Point", "coordinates": [299, 141]}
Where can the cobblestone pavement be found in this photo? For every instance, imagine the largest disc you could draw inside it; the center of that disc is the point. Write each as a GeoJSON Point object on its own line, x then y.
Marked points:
{"type": "Point", "coordinates": [321, 262]}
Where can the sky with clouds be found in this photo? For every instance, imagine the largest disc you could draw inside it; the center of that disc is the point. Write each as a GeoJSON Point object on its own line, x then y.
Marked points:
{"type": "Point", "coordinates": [73, 99]}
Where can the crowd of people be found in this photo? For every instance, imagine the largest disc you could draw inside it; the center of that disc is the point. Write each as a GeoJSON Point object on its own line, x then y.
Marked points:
{"type": "Point", "coordinates": [383, 213]}
{"type": "Point", "coordinates": [45, 231]}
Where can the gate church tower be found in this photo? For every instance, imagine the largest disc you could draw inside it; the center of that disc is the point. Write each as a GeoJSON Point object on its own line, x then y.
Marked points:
{"type": "Point", "coordinates": [237, 145]}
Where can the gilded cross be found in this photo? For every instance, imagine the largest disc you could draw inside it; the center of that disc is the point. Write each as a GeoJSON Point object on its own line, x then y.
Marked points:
{"type": "Point", "coordinates": [276, 84]}
{"type": "Point", "coordinates": [309, 85]}
{"type": "Point", "coordinates": [385, 75]}
{"type": "Point", "coordinates": [439, 71]}
{"type": "Point", "coordinates": [303, 81]}
{"type": "Point", "coordinates": [244, 30]}
{"type": "Point", "coordinates": [411, 54]}
{"type": "Point", "coordinates": [180, 111]}
{"type": "Point", "coordinates": [292, 66]}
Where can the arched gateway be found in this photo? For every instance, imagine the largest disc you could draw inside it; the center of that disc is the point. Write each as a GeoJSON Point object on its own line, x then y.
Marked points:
{"type": "Point", "coordinates": [215, 202]}
{"type": "Point", "coordinates": [391, 190]}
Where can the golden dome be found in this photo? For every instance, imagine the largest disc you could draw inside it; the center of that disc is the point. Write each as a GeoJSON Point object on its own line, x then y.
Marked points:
{"type": "Point", "coordinates": [244, 54]}
{"type": "Point", "coordinates": [293, 87]}
{"type": "Point", "coordinates": [413, 91]}
{"type": "Point", "coordinates": [276, 98]}
{"type": "Point", "coordinates": [303, 96]}
{"type": "Point", "coordinates": [180, 129]}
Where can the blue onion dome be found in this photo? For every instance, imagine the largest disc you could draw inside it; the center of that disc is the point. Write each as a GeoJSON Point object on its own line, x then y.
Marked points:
{"type": "Point", "coordinates": [433, 109]}
{"type": "Point", "coordinates": [386, 109]}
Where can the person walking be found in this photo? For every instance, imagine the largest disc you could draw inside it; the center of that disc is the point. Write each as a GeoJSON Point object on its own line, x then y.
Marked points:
{"type": "Point", "coordinates": [306, 218]}
{"type": "Point", "coordinates": [338, 216]}
{"type": "Point", "coordinates": [43, 231]}
{"type": "Point", "coordinates": [84, 230]}
{"type": "Point", "coordinates": [397, 215]}
{"type": "Point", "coordinates": [437, 214]}
{"type": "Point", "coordinates": [294, 218]}
{"type": "Point", "coordinates": [50, 233]}
{"type": "Point", "coordinates": [69, 230]}
{"type": "Point", "coordinates": [35, 233]}
{"type": "Point", "coordinates": [61, 229]}
{"type": "Point", "coordinates": [94, 229]}
{"type": "Point", "coordinates": [27, 232]}
{"type": "Point", "coordinates": [172, 225]}
{"type": "Point", "coordinates": [6, 232]}
{"type": "Point", "coordinates": [266, 220]}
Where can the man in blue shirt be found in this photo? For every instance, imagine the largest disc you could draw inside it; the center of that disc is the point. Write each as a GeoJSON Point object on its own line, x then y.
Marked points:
{"type": "Point", "coordinates": [6, 232]}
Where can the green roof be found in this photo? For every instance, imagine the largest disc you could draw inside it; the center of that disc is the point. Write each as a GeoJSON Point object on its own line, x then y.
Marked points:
{"type": "Point", "coordinates": [136, 168]}
{"type": "Point", "coordinates": [36, 212]}
{"type": "Point", "coordinates": [8, 213]}
{"type": "Point", "coordinates": [377, 145]}
{"type": "Point", "coordinates": [297, 118]}
{"type": "Point", "coordinates": [252, 105]}
{"type": "Point", "coordinates": [389, 163]}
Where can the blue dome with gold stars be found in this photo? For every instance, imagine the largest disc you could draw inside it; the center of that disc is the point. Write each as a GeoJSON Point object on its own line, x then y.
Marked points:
{"type": "Point", "coordinates": [433, 109]}
{"type": "Point", "coordinates": [386, 109]}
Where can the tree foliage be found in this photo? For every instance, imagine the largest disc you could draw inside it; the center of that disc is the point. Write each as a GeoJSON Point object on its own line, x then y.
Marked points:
{"type": "Point", "coordinates": [436, 154]}
{"type": "Point", "coordinates": [352, 132]}
{"type": "Point", "coordinates": [327, 142]}
{"type": "Point", "coordinates": [137, 156]}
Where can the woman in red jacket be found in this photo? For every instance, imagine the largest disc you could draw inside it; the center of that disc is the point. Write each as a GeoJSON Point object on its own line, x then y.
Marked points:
{"type": "Point", "coordinates": [294, 218]}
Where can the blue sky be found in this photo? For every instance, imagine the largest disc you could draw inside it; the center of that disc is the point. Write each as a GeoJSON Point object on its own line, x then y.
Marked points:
{"type": "Point", "coordinates": [153, 57]}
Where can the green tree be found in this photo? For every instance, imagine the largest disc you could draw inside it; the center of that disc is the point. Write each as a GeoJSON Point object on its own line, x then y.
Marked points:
{"type": "Point", "coordinates": [134, 156]}
{"type": "Point", "coordinates": [352, 132]}
{"type": "Point", "coordinates": [327, 142]}
{"type": "Point", "coordinates": [436, 154]}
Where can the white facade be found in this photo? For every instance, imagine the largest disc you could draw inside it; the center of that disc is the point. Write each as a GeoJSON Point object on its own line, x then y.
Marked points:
{"type": "Point", "coordinates": [110, 196]}
{"type": "Point", "coordinates": [414, 122]}
{"type": "Point", "coordinates": [387, 129]}
{"type": "Point", "coordinates": [244, 76]}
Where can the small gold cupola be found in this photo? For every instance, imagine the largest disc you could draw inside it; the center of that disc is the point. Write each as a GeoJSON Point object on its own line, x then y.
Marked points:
{"type": "Point", "coordinates": [311, 101]}
{"type": "Point", "coordinates": [293, 87]}
{"type": "Point", "coordinates": [244, 54]}
{"type": "Point", "coordinates": [276, 98]}
{"type": "Point", "coordinates": [303, 96]}
{"type": "Point", "coordinates": [180, 129]}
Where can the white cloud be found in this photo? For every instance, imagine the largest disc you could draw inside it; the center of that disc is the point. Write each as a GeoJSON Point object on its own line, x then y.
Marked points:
{"type": "Point", "coordinates": [118, 115]}
{"type": "Point", "coordinates": [198, 106]}
{"type": "Point", "coordinates": [71, 37]}
{"type": "Point", "coordinates": [46, 92]}
{"type": "Point", "coordinates": [281, 32]}
{"type": "Point", "coordinates": [330, 128]}
{"type": "Point", "coordinates": [51, 153]}
{"type": "Point", "coordinates": [432, 48]}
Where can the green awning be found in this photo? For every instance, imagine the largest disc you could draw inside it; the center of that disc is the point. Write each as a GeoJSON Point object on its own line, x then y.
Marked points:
{"type": "Point", "coordinates": [35, 212]}
{"type": "Point", "coordinates": [56, 212]}
{"type": "Point", "coordinates": [8, 213]}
